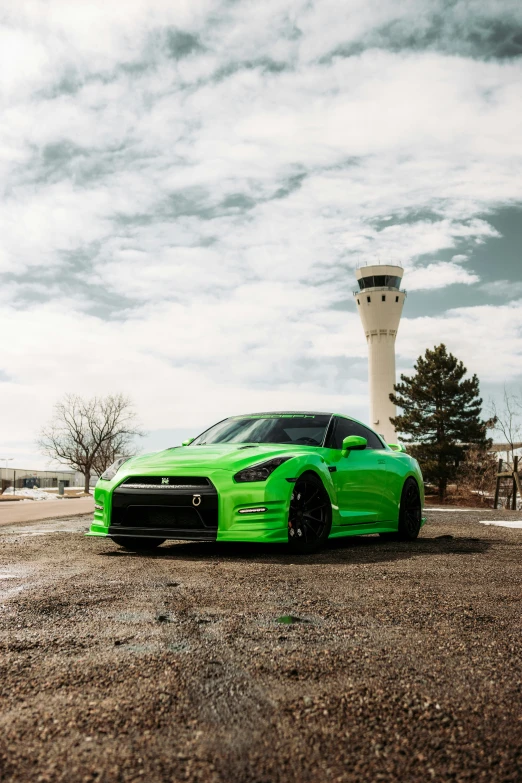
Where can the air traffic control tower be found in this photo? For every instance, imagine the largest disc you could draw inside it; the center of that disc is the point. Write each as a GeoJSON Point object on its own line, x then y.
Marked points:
{"type": "Point", "coordinates": [379, 302]}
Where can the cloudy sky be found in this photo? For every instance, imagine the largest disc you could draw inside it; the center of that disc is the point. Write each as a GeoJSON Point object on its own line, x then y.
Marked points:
{"type": "Point", "coordinates": [187, 188]}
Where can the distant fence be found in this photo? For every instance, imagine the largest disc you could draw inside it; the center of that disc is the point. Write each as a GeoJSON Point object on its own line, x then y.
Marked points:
{"type": "Point", "coordinates": [514, 484]}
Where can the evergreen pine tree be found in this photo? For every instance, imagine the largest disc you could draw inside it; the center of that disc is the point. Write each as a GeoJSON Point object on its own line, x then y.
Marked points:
{"type": "Point", "coordinates": [441, 415]}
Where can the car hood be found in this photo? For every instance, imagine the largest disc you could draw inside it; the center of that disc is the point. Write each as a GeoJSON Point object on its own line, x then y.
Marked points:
{"type": "Point", "coordinates": [220, 456]}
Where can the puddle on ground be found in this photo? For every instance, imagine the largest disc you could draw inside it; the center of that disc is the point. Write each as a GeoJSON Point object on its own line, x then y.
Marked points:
{"type": "Point", "coordinates": [5, 594]}
{"type": "Point", "coordinates": [45, 527]}
{"type": "Point", "coordinates": [10, 574]}
{"type": "Point", "coordinates": [17, 571]}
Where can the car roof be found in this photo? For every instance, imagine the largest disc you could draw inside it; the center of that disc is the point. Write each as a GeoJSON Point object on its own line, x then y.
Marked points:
{"type": "Point", "coordinates": [285, 413]}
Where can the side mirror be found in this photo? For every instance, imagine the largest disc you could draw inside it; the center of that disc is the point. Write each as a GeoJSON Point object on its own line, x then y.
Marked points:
{"type": "Point", "coordinates": [187, 442]}
{"type": "Point", "coordinates": [396, 447]}
{"type": "Point", "coordinates": [354, 443]}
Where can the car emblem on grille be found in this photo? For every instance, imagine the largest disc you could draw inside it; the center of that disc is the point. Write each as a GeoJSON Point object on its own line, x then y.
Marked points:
{"type": "Point", "coordinates": [164, 481]}
{"type": "Point", "coordinates": [196, 500]}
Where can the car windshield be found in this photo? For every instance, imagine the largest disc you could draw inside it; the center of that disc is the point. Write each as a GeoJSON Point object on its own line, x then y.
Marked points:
{"type": "Point", "coordinates": [300, 428]}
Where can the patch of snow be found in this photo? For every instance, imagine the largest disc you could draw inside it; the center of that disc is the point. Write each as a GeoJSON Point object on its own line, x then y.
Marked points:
{"type": "Point", "coordinates": [30, 494]}
{"type": "Point", "coordinates": [497, 523]}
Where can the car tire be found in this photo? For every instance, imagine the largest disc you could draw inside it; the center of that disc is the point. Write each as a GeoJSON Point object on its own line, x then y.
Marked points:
{"type": "Point", "coordinates": [137, 544]}
{"type": "Point", "coordinates": [309, 516]}
{"type": "Point", "coordinates": [410, 513]}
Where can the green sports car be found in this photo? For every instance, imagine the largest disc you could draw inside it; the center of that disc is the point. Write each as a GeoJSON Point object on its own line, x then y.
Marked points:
{"type": "Point", "coordinates": [297, 478]}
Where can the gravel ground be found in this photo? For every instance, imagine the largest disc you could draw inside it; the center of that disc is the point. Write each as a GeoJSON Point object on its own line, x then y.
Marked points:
{"type": "Point", "coordinates": [403, 664]}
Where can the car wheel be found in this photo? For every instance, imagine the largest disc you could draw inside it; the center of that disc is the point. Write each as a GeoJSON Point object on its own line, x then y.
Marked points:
{"type": "Point", "coordinates": [310, 515]}
{"type": "Point", "coordinates": [137, 544]}
{"type": "Point", "coordinates": [410, 514]}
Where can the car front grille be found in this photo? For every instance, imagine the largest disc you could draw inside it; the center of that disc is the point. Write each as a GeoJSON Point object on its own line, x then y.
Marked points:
{"type": "Point", "coordinates": [186, 509]}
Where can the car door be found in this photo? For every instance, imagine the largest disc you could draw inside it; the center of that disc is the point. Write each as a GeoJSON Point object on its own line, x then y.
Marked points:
{"type": "Point", "coordinates": [394, 477]}
{"type": "Point", "coordinates": [358, 476]}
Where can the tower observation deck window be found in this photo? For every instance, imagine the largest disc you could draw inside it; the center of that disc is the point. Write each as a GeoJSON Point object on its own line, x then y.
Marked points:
{"type": "Point", "coordinates": [380, 281]}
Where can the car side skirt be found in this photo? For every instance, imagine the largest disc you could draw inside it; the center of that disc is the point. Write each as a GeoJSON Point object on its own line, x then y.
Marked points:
{"type": "Point", "coordinates": [253, 533]}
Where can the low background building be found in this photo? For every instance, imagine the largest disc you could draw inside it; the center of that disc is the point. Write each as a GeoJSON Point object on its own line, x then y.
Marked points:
{"type": "Point", "coordinates": [41, 479]}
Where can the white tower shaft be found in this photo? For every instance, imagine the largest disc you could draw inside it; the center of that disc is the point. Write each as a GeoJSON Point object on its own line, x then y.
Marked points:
{"type": "Point", "coordinates": [380, 302]}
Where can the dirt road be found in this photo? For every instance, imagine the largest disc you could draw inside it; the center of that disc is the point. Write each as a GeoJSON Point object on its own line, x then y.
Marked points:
{"type": "Point", "coordinates": [405, 664]}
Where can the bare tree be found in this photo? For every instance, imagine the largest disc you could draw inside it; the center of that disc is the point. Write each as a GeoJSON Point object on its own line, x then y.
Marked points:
{"type": "Point", "coordinates": [508, 420]}
{"type": "Point", "coordinates": [476, 475]}
{"type": "Point", "coordinates": [120, 446]}
{"type": "Point", "coordinates": [86, 434]}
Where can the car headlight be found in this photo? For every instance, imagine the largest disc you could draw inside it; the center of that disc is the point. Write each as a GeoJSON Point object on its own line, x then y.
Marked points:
{"type": "Point", "coordinates": [111, 471]}
{"type": "Point", "coordinates": [261, 471]}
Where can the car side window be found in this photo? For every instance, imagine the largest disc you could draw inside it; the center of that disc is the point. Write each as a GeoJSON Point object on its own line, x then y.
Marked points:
{"type": "Point", "coordinates": [341, 429]}
{"type": "Point", "coordinates": [345, 427]}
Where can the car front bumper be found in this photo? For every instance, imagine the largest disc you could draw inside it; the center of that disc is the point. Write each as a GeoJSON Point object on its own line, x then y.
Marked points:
{"type": "Point", "coordinates": [256, 512]}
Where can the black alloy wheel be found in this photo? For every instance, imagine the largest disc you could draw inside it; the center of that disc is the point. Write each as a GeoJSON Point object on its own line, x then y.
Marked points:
{"type": "Point", "coordinates": [310, 515]}
{"type": "Point", "coordinates": [138, 544]}
{"type": "Point", "coordinates": [410, 514]}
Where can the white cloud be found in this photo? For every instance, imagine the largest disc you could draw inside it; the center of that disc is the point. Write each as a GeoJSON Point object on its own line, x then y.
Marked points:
{"type": "Point", "coordinates": [190, 364]}
{"type": "Point", "coordinates": [505, 289]}
{"type": "Point", "coordinates": [224, 197]}
{"type": "Point", "coordinates": [487, 338]}
{"type": "Point", "coordinates": [184, 365]}
{"type": "Point", "coordinates": [439, 276]}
